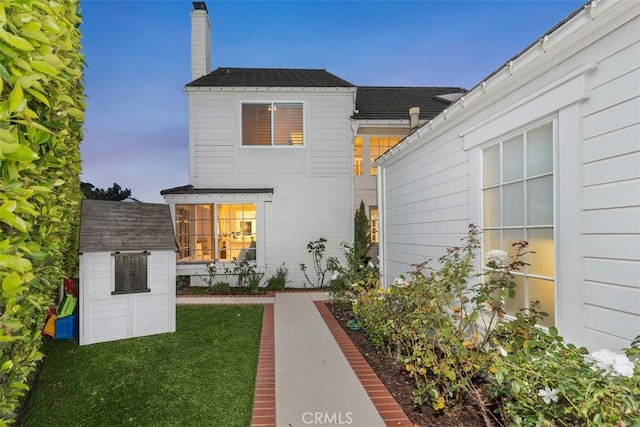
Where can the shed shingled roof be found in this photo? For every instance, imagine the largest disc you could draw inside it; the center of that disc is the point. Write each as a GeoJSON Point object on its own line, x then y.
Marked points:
{"type": "Point", "coordinates": [269, 77]}
{"type": "Point", "coordinates": [123, 226]}
{"type": "Point", "coordinates": [381, 102]}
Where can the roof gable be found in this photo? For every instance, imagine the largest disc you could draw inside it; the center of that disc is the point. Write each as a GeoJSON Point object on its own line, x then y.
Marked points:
{"type": "Point", "coordinates": [121, 226]}
{"type": "Point", "coordinates": [269, 77]}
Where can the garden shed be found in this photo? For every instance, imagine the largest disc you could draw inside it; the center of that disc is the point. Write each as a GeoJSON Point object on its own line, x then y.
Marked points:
{"type": "Point", "coordinates": [127, 270]}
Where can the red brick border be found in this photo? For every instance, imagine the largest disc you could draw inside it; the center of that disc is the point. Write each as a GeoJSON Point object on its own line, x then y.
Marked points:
{"type": "Point", "coordinates": [390, 411]}
{"type": "Point", "coordinates": [264, 399]}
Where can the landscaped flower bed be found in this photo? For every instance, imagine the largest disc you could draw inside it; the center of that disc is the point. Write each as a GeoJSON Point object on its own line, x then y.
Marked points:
{"type": "Point", "coordinates": [447, 328]}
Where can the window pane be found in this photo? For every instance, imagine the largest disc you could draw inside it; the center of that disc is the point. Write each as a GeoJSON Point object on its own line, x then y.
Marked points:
{"type": "Point", "coordinates": [542, 262]}
{"type": "Point", "coordinates": [237, 232]}
{"type": "Point", "coordinates": [490, 241]}
{"type": "Point", "coordinates": [540, 201]}
{"type": "Point", "coordinates": [256, 124]}
{"type": "Point", "coordinates": [544, 291]}
{"type": "Point", "coordinates": [357, 156]}
{"type": "Point", "coordinates": [513, 204]}
{"type": "Point", "coordinates": [513, 305]}
{"type": "Point", "coordinates": [288, 120]}
{"type": "Point", "coordinates": [491, 166]}
{"type": "Point", "coordinates": [491, 207]}
{"type": "Point", "coordinates": [512, 236]}
{"type": "Point", "coordinates": [183, 223]}
{"type": "Point", "coordinates": [512, 162]}
{"type": "Point", "coordinates": [540, 150]}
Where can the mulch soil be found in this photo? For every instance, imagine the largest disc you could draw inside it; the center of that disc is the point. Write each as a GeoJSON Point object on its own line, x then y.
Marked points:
{"type": "Point", "coordinates": [400, 385]}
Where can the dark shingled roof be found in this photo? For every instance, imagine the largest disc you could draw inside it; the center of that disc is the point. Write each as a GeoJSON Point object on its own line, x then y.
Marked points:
{"type": "Point", "coordinates": [190, 189]}
{"type": "Point", "coordinates": [379, 102]}
{"type": "Point", "coordinates": [269, 77]}
{"type": "Point", "coordinates": [107, 226]}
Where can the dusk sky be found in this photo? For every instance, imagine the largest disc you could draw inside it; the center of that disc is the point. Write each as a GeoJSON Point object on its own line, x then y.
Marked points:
{"type": "Point", "coordinates": [138, 61]}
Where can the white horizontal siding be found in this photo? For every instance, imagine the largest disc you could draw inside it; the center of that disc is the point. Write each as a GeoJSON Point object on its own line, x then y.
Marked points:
{"type": "Point", "coordinates": [429, 185]}
{"type": "Point", "coordinates": [218, 158]}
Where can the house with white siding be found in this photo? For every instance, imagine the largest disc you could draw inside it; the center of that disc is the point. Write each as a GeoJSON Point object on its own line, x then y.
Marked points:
{"type": "Point", "coordinates": [546, 149]}
{"type": "Point", "coordinates": [281, 157]}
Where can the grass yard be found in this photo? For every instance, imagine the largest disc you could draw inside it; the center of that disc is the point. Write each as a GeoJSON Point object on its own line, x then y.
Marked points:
{"type": "Point", "coordinates": [202, 375]}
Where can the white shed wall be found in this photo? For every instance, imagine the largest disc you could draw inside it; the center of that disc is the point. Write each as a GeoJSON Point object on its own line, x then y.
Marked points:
{"type": "Point", "coordinates": [590, 83]}
{"type": "Point", "coordinates": [106, 317]}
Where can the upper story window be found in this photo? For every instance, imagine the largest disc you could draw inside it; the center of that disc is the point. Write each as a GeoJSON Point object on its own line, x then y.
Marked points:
{"type": "Point", "coordinates": [379, 146]}
{"type": "Point", "coordinates": [272, 123]}
{"type": "Point", "coordinates": [518, 204]}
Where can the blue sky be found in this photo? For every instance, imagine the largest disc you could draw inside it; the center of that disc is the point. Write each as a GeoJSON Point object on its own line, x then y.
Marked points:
{"type": "Point", "coordinates": [138, 61]}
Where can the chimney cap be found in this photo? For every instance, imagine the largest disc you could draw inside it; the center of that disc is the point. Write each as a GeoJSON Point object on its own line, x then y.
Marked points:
{"type": "Point", "coordinates": [200, 5]}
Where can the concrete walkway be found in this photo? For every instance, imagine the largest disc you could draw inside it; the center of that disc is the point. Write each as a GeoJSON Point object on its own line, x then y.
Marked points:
{"type": "Point", "coordinates": [315, 383]}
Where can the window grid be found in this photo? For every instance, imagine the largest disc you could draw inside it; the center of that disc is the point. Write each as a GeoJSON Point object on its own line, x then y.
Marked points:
{"type": "Point", "coordinates": [500, 231]}
{"type": "Point", "coordinates": [216, 232]}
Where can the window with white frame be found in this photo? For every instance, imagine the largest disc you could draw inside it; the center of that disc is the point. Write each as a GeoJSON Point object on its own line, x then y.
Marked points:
{"type": "Point", "coordinates": [518, 204]}
{"type": "Point", "coordinates": [216, 232]}
{"type": "Point", "coordinates": [273, 123]}
{"type": "Point", "coordinates": [377, 147]}
{"type": "Point", "coordinates": [373, 224]}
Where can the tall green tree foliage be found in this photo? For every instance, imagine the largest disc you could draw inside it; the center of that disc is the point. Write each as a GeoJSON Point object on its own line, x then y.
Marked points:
{"type": "Point", "coordinates": [41, 115]}
{"type": "Point", "coordinates": [361, 234]}
{"type": "Point", "coordinates": [115, 192]}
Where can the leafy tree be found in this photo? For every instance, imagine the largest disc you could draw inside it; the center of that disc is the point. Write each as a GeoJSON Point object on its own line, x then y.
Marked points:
{"type": "Point", "coordinates": [115, 192]}
{"type": "Point", "coordinates": [361, 234]}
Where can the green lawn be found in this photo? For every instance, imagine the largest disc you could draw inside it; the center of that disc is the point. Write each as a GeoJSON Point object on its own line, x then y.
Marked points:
{"type": "Point", "coordinates": [202, 375]}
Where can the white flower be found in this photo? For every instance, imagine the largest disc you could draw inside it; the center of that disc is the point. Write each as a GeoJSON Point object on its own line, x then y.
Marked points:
{"type": "Point", "coordinates": [548, 394]}
{"type": "Point", "coordinates": [502, 351]}
{"type": "Point", "coordinates": [211, 265]}
{"type": "Point", "coordinates": [335, 275]}
{"type": "Point", "coordinates": [610, 362]}
{"type": "Point", "coordinates": [399, 282]}
{"type": "Point", "coordinates": [501, 258]}
{"type": "Point", "coordinates": [370, 265]}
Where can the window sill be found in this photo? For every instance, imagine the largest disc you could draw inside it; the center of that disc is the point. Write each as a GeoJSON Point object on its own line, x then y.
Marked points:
{"type": "Point", "coordinates": [137, 291]}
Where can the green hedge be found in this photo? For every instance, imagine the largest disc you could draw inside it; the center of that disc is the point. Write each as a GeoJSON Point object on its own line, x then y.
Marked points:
{"type": "Point", "coordinates": [41, 116]}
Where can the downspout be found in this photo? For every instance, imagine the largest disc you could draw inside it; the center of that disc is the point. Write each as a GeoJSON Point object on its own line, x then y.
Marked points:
{"type": "Point", "coordinates": [381, 193]}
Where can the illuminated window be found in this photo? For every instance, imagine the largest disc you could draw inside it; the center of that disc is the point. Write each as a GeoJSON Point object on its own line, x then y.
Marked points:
{"type": "Point", "coordinates": [357, 156]}
{"type": "Point", "coordinates": [273, 123]}
{"type": "Point", "coordinates": [222, 232]}
{"type": "Point", "coordinates": [517, 198]}
{"type": "Point", "coordinates": [373, 224]}
{"type": "Point", "coordinates": [378, 146]}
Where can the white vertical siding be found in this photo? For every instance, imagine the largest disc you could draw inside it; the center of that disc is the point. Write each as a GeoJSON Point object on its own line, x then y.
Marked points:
{"type": "Point", "coordinates": [106, 317]}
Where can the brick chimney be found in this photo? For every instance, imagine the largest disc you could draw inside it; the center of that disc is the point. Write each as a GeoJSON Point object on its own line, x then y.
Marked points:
{"type": "Point", "coordinates": [414, 117]}
{"type": "Point", "coordinates": [200, 40]}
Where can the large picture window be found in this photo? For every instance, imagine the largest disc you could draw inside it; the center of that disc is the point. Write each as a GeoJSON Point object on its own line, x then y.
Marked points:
{"type": "Point", "coordinates": [518, 204]}
{"type": "Point", "coordinates": [216, 232]}
{"type": "Point", "coordinates": [272, 123]}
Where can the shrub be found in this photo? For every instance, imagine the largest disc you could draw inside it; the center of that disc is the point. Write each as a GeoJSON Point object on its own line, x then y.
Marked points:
{"type": "Point", "coordinates": [40, 131]}
{"type": "Point", "coordinates": [220, 288]}
{"type": "Point", "coordinates": [278, 281]}
{"type": "Point", "coordinates": [446, 326]}
{"type": "Point", "coordinates": [316, 249]}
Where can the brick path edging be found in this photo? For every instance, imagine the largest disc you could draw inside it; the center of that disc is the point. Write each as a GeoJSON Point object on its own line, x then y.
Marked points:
{"type": "Point", "coordinates": [264, 398]}
{"type": "Point", "coordinates": [390, 411]}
